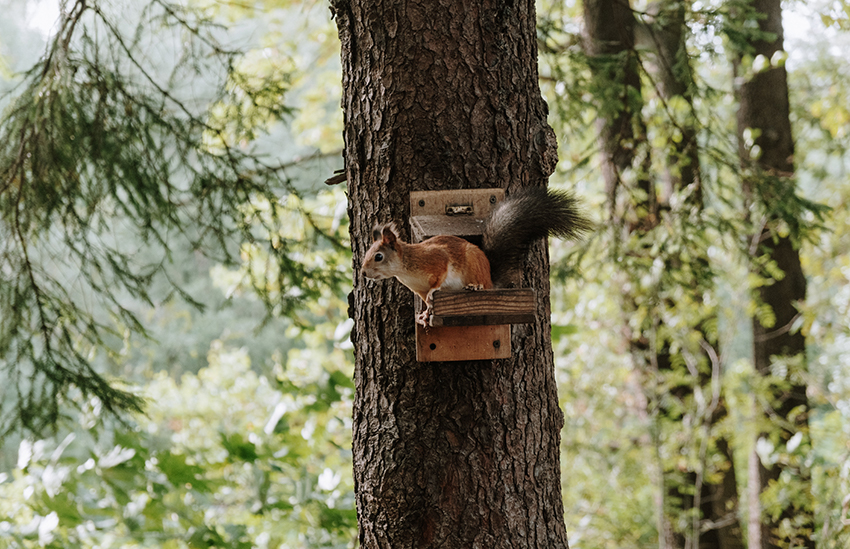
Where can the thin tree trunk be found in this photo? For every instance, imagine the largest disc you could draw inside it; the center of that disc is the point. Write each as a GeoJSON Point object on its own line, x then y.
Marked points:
{"type": "Point", "coordinates": [670, 68]}
{"type": "Point", "coordinates": [465, 454]}
{"type": "Point", "coordinates": [764, 111]}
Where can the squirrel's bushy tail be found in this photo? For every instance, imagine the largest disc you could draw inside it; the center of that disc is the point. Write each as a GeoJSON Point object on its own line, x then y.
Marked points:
{"type": "Point", "coordinates": [525, 216]}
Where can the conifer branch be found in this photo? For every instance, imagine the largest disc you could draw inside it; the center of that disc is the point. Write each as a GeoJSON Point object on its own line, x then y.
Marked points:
{"type": "Point", "coordinates": [95, 139]}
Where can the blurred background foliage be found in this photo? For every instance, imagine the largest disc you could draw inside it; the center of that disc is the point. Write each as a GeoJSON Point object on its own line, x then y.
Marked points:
{"type": "Point", "coordinates": [235, 336]}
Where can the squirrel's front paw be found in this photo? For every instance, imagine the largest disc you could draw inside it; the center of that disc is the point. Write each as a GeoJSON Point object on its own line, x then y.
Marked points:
{"type": "Point", "coordinates": [424, 317]}
{"type": "Point", "coordinates": [474, 287]}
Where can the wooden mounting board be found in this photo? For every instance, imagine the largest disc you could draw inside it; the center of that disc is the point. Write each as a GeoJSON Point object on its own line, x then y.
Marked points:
{"type": "Point", "coordinates": [450, 344]}
{"type": "Point", "coordinates": [435, 202]}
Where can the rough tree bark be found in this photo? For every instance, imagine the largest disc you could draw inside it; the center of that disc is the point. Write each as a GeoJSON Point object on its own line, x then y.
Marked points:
{"type": "Point", "coordinates": [445, 96]}
{"type": "Point", "coordinates": [764, 107]}
{"type": "Point", "coordinates": [611, 33]}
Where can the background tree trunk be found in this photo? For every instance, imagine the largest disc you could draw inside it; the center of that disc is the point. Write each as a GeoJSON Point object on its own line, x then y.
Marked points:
{"type": "Point", "coordinates": [670, 69]}
{"type": "Point", "coordinates": [463, 454]}
{"type": "Point", "coordinates": [768, 185]}
{"type": "Point", "coordinates": [609, 39]}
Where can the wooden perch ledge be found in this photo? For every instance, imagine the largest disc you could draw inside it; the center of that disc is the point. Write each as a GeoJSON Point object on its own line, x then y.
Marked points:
{"type": "Point", "coordinates": [483, 307]}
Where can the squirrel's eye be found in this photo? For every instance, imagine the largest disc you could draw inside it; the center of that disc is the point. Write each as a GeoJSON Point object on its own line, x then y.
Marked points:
{"type": "Point", "coordinates": [379, 256]}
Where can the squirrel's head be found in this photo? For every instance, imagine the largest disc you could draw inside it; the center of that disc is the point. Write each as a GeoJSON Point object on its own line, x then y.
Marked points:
{"type": "Point", "coordinates": [383, 259]}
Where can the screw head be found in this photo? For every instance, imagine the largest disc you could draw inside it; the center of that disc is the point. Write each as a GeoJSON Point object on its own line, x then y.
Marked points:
{"type": "Point", "coordinates": [432, 346]}
{"type": "Point", "coordinates": [492, 199]}
{"type": "Point", "coordinates": [497, 344]}
{"type": "Point", "coordinates": [421, 203]}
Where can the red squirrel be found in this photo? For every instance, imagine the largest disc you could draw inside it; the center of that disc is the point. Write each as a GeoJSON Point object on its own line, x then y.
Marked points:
{"type": "Point", "coordinates": [452, 263]}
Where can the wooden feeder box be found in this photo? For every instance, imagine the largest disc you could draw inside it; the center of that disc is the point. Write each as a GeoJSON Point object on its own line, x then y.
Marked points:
{"type": "Point", "coordinates": [465, 324]}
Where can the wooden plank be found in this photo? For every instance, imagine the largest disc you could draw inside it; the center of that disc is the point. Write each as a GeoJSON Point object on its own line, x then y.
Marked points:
{"type": "Point", "coordinates": [435, 202]}
{"type": "Point", "coordinates": [451, 344]}
{"type": "Point", "coordinates": [484, 307]}
{"type": "Point", "coordinates": [465, 302]}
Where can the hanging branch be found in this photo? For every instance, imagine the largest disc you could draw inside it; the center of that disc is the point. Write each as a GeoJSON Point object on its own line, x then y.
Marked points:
{"type": "Point", "coordinates": [98, 152]}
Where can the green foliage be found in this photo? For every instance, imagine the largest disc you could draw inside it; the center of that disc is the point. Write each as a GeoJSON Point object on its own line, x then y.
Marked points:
{"type": "Point", "coordinates": [226, 458]}
{"type": "Point", "coordinates": [637, 293]}
{"type": "Point", "coordinates": [823, 159]}
{"type": "Point", "coordinates": [604, 452]}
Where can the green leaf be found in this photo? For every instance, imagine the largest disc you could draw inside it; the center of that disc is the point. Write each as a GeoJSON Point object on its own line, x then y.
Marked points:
{"type": "Point", "coordinates": [562, 331]}
{"type": "Point", "coordinates": [238, 448]}
{"type": "Point", "coordinates": [181, 473]}
{"type": "Point", "coordinates": [64, 506]}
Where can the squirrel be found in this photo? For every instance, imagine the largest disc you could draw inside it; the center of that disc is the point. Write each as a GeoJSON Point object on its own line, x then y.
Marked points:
{"type": "Point", "coordinates": [452, 263]}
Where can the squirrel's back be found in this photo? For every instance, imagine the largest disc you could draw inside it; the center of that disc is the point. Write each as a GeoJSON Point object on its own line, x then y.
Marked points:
{"type": "Point", "coordinates": [523, 217]}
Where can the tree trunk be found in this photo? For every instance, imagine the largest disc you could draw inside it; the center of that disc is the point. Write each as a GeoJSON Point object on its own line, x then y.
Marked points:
{"type": "Point", "coordinates": [464, 454]}
{"type": "Point", "coordinates": [764, 107]}
{"type": "Point", "coordinates": [670, 69]}
{"type": "Point", "coordinates": [609, 38]}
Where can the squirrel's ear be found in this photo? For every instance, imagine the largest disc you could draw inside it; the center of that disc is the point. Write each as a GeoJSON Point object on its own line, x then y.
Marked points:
{"type": "Point", "coordinates": [388, 235]}
{"type": "Point", "coordinates": [376, 232]}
